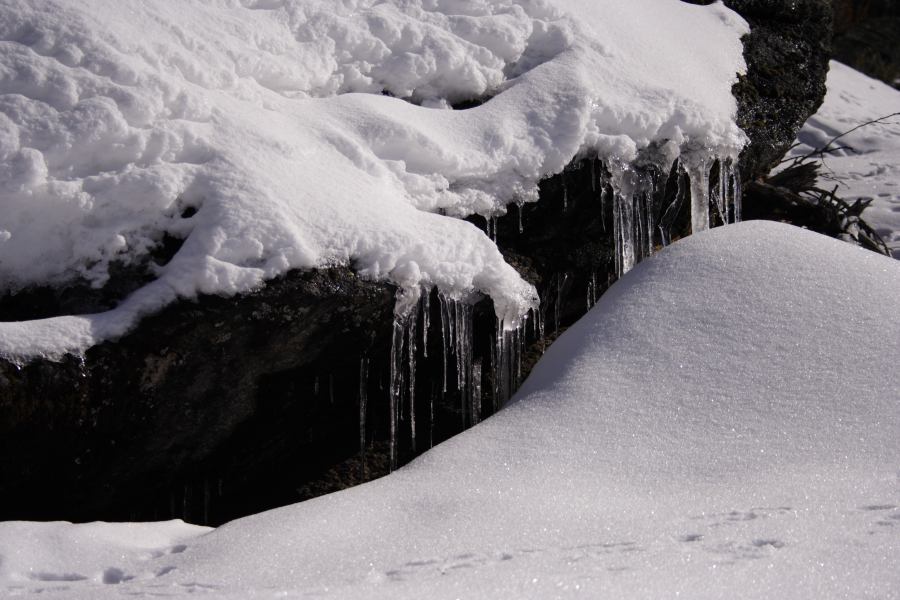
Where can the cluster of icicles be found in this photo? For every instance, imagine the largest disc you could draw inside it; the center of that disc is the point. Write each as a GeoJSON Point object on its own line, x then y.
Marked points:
{"type": "Point", "coordinates": [457, 341]}
{"type": "Point", "coordinates": [638, 224]}
{"type": "Point", "coordinates": [638, 229]}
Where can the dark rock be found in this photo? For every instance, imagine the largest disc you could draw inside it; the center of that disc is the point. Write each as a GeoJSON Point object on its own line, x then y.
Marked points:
{"type": "Point", "coordinates": [787, 53]}
{"type": "Point", "coordinates": [204, 391]}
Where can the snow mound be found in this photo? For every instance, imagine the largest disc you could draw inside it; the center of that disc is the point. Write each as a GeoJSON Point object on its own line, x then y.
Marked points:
{"type": "Point", "coordinates": [869, 165]}
{"type": "Point", "coordinates": [264, 133]}
{"type": "Point", "coordinates": [718, 426]}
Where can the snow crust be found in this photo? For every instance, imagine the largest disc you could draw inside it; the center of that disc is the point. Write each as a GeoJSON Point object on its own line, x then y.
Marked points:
{"type": "Point", "coordinates": [269, 117]}
{"type": "Point", "coordinates": [869, 167]}
{"type": "Point", "coordinates": [718, 426]}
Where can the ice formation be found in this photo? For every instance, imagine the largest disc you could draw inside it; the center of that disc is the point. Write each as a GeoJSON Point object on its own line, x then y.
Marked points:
{"type": "Point", "coordinates": [280, 134]}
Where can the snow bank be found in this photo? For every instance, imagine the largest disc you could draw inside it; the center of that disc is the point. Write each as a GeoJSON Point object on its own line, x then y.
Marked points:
{"type": "Point", "coordinates": [870, 165]}
{"type": "Point", "coordinates": [718, 426]}
{"type": "Point", "coordinates": [269, 118]}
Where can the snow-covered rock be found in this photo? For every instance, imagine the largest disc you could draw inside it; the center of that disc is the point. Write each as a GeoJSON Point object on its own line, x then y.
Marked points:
{"type": "Point", "coordinates": [268, 118]}
{"type": "Point", "coordinates": [706, 431]}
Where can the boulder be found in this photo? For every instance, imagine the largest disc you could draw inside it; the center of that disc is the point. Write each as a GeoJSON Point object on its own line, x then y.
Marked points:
{"type": "Point", "coordinates": [219, 407]}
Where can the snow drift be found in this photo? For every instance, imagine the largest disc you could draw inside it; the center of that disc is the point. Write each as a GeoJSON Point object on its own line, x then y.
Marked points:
{"type": "Point", "coordinates": [706, 431]}
{"type": "Point", "coordinates": [311, 133]}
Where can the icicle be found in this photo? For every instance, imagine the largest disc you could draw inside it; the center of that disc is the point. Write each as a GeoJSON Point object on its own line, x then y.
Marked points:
{"type": "Point", "coordinates": [411, 359]}
{"type": "Point", "coordinates": [426, 320]}
{"type": "Point", "coordinates": [559, 287]}
{"type": "Point", "coordinates": [495, 220]}
{"type": "Point", "coordinates": [509, 347]}
{"type": "Point", "coordinates": [396, 388]}
{"type": "Point", "coordinates": [603, 203]}
{"type": "Point", "coordinates": [539, 322]}
{"type": "Point", "coordinates": [698, 171]}
{"type": "Point", "coordinates": [316, 386]}
{"type": "Point", "coordinates": [671, 212]}
{"type": "Point", "coordinates": [461, 313]}
{"type": "Point", "coordinates": [720, 194]}
{"type": "Point", "coordinates": [736, 177]}
{"type": "Point", "coordinates": [648, 212]}
{"type": "Point", "coordinates": [521, 206]}
{"type": "Point", "coordinates": [520, 352]}
{"type": "Point", "coordinates": [445, 334]}
{"type": "Point", "coordinates": [498, 366]}
{"type": "Point", "coordinates": [591, 295]}
{"type": "Point", "coordinates": [565, 197]}
{"type": "Point", "coordinates": [729, 194]}
{"type": "Point", "coordinates": [623, 186]}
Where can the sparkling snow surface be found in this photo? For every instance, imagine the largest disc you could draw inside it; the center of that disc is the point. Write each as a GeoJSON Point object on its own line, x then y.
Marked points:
{"type": "Point", "coordinates": [268, 116]}
{"type": "Point", "coordinates": [870, 168]}
{"type": "Point", "coordinates": [720, 425]}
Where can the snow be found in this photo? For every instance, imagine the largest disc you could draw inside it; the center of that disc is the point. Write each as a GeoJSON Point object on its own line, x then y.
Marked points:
{"type": "Point", "coordinates": [870, 165]}
{"type": "Point", "coordinates": [269, 117]}
{"type": "Point", "coordinates": [706, 431]}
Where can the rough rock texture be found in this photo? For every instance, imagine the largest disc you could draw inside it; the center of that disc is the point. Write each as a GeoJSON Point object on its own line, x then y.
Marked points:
{"type": "Point", "coordinates": [220, 407]}
{"type": "Point", "coordinates": [787, 55]}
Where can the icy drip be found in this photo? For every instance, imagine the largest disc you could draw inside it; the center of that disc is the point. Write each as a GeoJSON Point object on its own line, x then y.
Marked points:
{"type": "Point", "coordinates": [398, 345]}
{"type": "Point", "coordinates": [509, 348]}
{"type": "Point", "coordinates": [560, 284]}
{"type": "Point", "coordinates": [491, 226]}
{"type": "Point", "coordinates": [426, 321]}
{"type": "Point", "coordinates": [411, 375]}
{"type": "Point", "coordinates": [735, 177]}
{"type": "Point", "coordinates": [698, 172]}
{"type": "Point", "coordinates": [404, 348]}
{"type": "Point", "coordinates": [633, 190]}
{"type": "Point", "coordinates": [462, 315]}
{"type": "Point", "coordinates": [623, 183]}
{"type": "Point", "coordinates": [457, 336]}
{"type": "Point", "coordinates": [650, 189]}
{"type": "Point", "coordinates": [671, 211]}
{"type": "Point", "coordinates": [592, 291]}
{"type": "Point", "coordinates": [363, 408]}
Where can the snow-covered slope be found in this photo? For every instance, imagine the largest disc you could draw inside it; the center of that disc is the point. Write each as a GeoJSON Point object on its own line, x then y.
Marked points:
{"type": "Point", "coordinates": [720, 425]}
{"type": "Point", "coordinates": [268, 116]}
{"type": "Point", "coordinates": [870, 165]}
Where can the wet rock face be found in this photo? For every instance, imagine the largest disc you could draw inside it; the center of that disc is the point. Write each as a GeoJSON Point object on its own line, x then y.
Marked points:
{"type": "Point", "coordinates": [221, 407]}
